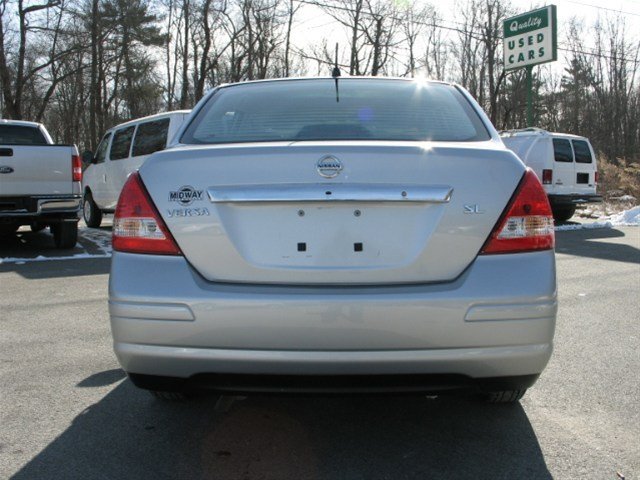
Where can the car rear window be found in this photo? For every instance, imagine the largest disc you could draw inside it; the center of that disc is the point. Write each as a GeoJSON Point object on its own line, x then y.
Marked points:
{"type": "Point", "coordinates": [562, 150]}
{"type": "Point", "coordinates": [150, 137]}
{"type": "Point", "coordinates": [21, 135]}
{"type": "Point", "coordinates": [360, 109]}
{"type": "Point", "coordinates": [121, 143]}
{"type": "Point", "coordinates": [582, 150]}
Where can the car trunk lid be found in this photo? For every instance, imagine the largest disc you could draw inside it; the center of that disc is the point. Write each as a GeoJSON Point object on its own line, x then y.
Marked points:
{"type": "Point", "coordinates": [397, 212]}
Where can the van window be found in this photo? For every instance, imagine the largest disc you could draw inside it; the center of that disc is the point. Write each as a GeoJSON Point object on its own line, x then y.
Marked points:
{"type": "Point", "coordinates": [583, 153]}
{"type": "Point", "coordinates": [121, 143]}
{"type": "Point", "coordinates": [151, 137]}
{"type": "Point", "coordinates": [562, 150]}
{"type": "Point", "coordinates": [101, 152]}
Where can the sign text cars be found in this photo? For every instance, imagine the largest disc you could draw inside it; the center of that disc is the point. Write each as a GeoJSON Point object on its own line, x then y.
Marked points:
{"type": "Point", "coordinates": [530, 38]}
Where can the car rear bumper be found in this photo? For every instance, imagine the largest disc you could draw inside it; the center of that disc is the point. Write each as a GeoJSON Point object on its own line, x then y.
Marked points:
{"type": "Point", "coordinates": [40, 206]}
{"type": "Point", "coordinates": [327, 384]}
{"type": "Point", "coordinates": [574, 199]}
{"type": "Point", "coordinates": [496, 320]}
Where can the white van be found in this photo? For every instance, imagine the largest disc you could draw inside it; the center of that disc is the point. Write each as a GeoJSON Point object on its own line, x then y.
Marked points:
{"type": "Point", "coordinates": [122, 150]}
{"type": "Point", "coordinates": [564, 163]}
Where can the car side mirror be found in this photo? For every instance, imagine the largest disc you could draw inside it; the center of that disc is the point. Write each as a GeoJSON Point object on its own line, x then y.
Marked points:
{"type": "Point", "coordinates": [87, 157]}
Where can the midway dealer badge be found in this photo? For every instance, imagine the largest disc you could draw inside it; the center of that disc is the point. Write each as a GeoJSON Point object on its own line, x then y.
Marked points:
{"type": "Point", "coordinates": [185, 195]}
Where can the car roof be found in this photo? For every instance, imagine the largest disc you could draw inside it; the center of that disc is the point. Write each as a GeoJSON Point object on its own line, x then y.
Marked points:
{"type": "Point", "coordinates": [538, 132]}
{"type": "Point", "coordinates": [23, 123]}
{"type": "Point", "coordinates": [156, 116]}
{"type": "Point", "coordinates": [346, 77]}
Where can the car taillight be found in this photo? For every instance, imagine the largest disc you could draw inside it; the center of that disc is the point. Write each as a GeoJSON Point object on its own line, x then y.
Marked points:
{"type": "Point", "coordinates": [76, 168]}
{"type": "Point", "coordinates": [137, 225]}
{"type": "Point", "coordinates": [596, 177]}
{"type": "Point", "coordinates": [547, 176]}
{"type": "Point", "coordinates": [527, 222]}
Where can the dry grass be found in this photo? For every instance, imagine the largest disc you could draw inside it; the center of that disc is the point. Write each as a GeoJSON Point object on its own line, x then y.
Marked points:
{"type": "Point", "coordinates": [619, 185]}
{"type": "Point", "coordinates": [618, 180]}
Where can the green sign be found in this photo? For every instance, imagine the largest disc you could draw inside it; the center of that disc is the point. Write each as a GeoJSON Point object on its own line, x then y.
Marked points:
{"type": "Point", "coordinates": [530, 38]}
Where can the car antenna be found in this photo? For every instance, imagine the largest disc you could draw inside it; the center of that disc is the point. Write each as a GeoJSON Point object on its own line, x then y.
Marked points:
{"type": "Point", "coordinates": [335, 73]}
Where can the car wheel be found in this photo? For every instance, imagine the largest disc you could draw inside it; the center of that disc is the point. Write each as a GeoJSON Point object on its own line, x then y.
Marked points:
{"type": "Point", "coordinates": [562, 214]}
{"type": "Point", "coordinates": [37, 226]}
{"type": "Point", "coordinates": [65, 234]}
{"type": "Point", "coordinates": [8, 229]}
{"type": "Point", "coordinates": [90, 211]}
{"type": "Point", "coordinates": [505, 396]}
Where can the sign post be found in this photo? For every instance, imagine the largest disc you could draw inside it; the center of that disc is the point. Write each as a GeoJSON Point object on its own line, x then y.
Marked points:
{"type": "Point", "coordinates": [530, 39]}
{"type": "Point", "coordinates": [529, 95]}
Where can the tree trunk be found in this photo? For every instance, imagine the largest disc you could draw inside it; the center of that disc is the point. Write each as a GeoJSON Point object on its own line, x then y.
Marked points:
{"type": "Point", "coordinates": [184, 95]}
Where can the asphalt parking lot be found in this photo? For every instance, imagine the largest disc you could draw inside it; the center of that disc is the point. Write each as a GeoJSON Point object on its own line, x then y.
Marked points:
{"type": "Point", "coordinates": [67, 410]}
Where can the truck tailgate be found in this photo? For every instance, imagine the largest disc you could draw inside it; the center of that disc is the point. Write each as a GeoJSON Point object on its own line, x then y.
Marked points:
{"type": "Point", "coordinates": [35, 170]}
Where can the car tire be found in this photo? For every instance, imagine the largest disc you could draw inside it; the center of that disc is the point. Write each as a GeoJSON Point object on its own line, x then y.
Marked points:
{"type": "Point", "coordinates": [505, 396]}
{"type": "Point", "coordinates": [91, 212]}
{"type": "Point", "coordinates": [65, 234]}
{"type": "Point", "coordinates": [37, 226]}
{"type": "Point", "coordinates": [562, 214]}
{"type": "Point", "coordinates": [8, 229]}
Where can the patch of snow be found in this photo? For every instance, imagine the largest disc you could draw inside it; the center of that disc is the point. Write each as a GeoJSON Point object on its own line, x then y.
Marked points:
{"type": "Point", "coordinates": [100, 238]}
{"type": "Point", "coordinates": [624, 198]}
{"type": "Point", "coordinates": [583, 226]}
{"type": "Point", "coordinates": [589, 213]}
{"type": "Point", "coordinates": [627, 217]}
{"type": "Point", "coordinates": [42, 258]}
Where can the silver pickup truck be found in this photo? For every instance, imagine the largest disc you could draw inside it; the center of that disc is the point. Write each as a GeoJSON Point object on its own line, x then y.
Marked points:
{"type": "Point", "coordinates": [39, 182]}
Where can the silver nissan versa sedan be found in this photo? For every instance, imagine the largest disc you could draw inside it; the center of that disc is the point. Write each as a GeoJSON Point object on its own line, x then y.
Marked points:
{"type": "Point", "coordinates": [334, 235]}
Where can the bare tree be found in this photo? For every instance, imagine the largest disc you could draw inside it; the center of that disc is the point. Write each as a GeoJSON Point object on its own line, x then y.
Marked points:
{"type": "Point", "coordinates": [15, 77]}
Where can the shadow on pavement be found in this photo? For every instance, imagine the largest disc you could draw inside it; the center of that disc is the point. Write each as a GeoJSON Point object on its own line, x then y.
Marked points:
{"type": "Point", "coordinates": [33, 254]}
{"type": "Point", "coordinates": [28, 245]}
{"type": "Point", "coordinates": [129, 434]}
{"type": "Point", "coordinates": [590, 243]}
{"type": "Point", "coordinates": [102, 379]}
{"type": "Point", "coordinates": [601, 232]}
{"type": "Point", "coordinates": [59, 268]}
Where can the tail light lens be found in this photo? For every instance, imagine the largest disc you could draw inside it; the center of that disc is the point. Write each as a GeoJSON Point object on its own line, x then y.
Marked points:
{"type": "Point", "coordinates": [547, 176]}
{"type": "Point", "coordinates": [76, 168]}
{"type": "Point", "coordinates": [137, 225]}
{"type": "Point", "coordinates": [596, 177]}
{"type": "Point", "coordinates": [526, 224]}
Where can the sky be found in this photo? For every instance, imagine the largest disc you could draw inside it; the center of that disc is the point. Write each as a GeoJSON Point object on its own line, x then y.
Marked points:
{"type": "Point", "coordinates": [314, 25]}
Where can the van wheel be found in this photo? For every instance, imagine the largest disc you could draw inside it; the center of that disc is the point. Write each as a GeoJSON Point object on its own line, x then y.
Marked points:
{"type": "Point", "coordinates": [65, 234]}
{"type": "Point", "coordinates": [90, 211]}
{"type": "Point", "coordinates": [505, 396]}
{"type": "Point", "coordinates": [562, 214]}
